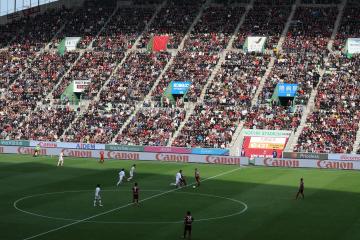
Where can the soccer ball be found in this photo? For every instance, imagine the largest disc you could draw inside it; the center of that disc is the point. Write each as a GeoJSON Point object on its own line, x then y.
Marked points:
{"type": "Point", "coordinates": [194, 187]}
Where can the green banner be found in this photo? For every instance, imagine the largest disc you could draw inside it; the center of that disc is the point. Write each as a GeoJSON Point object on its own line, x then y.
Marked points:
{"type": "Point", "coordinates": [15, 143]}
{"type": "Point", "coordinates": [61, 48]}
{"type": "Point", "coordinates": [124, 148]}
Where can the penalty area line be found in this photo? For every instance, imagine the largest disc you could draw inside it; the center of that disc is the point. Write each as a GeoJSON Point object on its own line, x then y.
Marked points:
{"type": "Point", "coordinates": [126, 205]}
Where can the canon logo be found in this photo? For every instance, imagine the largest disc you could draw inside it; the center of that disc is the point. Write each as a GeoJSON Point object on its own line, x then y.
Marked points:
{"type": "Point", "coordinates": [335, 164]}
{"type": "Point", "coordinates": [350, 158]}
{"type": "Point", "coordinates": [171, 157]}
{"type": "Point", "coordinates": [77, 153]}
{"type": "Point", "coordinates": [292, 163]}
{"type": "Point", "coordinates": [30, 151]}
{"type": "Point", "coordinates": [223, 160]}
{"type": "Point", "coordinates": [123, 155]}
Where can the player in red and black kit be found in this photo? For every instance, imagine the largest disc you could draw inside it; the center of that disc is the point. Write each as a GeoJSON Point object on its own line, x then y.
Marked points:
{"type": "Point", "coordinates": [183, 180]}
{"type": "Point", "coordinates": [197, 177]}
{"type": "Point", "coordinates": [135, 191]}
{"type": "Point", "coordinates": [301, 189]}
{"type": "Point", "coordinates": [101, 157]}
{"type": "Point", "coordinates": [187, 224]}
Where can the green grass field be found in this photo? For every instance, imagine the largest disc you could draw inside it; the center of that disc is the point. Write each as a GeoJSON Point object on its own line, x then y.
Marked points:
{"type": "Point", "coordinates": [41, 201]}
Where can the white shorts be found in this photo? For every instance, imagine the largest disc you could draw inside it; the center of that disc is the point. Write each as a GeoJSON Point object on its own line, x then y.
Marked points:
{"type": "Point", "coordinates": [97, 197]}
{"type": "Point", "coordinates": [120, 179]}
{"type": "Point", "coordinates": [177, 182]}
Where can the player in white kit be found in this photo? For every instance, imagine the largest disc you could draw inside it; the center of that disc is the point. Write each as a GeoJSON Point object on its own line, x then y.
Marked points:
{"type": "Point", "coordinates": [121, 176]}
{"type": "Point", "coordinates": [131, 173]}
{"type": "Point", "coordinates": [97, 199]}
{"type": "Point", "coordinates": [61, 159]}
{"type": "Point", "coordinates": [178, 179]}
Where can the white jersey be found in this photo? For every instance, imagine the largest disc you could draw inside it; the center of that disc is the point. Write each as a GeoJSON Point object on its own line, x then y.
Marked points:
{"type": "Point", "coordinates": [61, 157]}
{"type": "Point", "coordinates": [132, 170]}
{"type": "Point", "coordinates": [121, 174]}
{"type": "Point", "coordinates": [178, 177]}
{"type": "Point", "coordinates": [97, 192]}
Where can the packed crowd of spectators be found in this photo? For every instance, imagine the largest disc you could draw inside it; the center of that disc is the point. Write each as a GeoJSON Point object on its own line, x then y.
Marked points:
{"type": "Point", "coordinates": [94, 66]}
{"type": "Point", "coordinates": [174, 19]}
{"type": "Point", "coordinates": [152, 126]}
{"type": "Point", "coordinates": [209, 126]}
{"type": "Point", "coordinates": [274, 2]}
{"type": "Point", "coordinates": [123, 29]}
{"type": "Point", "coordinates": [188, 66]}
{"type": "Point", "coordinates": [321, 1]}
{"type": "Point", "coordinates": [268, 21]}
{"type": "Point", "coordinates": [333, 125]}
{"type": "Point", "coordinates": [45, 72]}
{"type": "Point", "coordinates": [298, 68]}
{"type": "Point", "coordinates": [237, 80]}
{"type": "Point", "coordinates": [349, 27]}
{"type": "Point", "coordinates": [226, 102]}
{"type": "Point", "coordinates": [85, 22]}
{"type": "Point", "coordinates": [310, 30]}
{"type": "Point", "coordinates": [25, 73]}
{"type": "Point", "coordinates": [45, 124]}
{"type": "Point", "coordinates": [273, 117]}
{"type": "Point", "coordinates": [214, 29]}
{"type": "Point", "coordinates": [134, 79]}
{"type": "Point", "coordinates": [99, 124]}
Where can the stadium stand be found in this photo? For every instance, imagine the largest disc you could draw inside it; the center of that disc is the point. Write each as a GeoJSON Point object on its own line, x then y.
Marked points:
{"type": "Point", "coordinates": [125, 102]}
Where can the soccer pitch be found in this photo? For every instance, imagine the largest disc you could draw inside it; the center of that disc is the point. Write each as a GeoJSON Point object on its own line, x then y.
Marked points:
{"type": "Point", "coordinates": [41, 201]}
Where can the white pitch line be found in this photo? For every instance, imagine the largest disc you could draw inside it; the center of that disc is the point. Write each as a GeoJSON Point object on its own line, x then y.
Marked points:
{"type": "Point", "coordinates": [124, 206]}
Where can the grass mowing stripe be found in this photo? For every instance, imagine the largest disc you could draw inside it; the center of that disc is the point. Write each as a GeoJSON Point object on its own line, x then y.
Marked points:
{"type": "Point", "coordinates": [124, 206]}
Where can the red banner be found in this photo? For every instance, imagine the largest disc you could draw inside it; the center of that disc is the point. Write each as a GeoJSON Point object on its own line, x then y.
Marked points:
{"type": "Point", "coordinates": [160, 43]}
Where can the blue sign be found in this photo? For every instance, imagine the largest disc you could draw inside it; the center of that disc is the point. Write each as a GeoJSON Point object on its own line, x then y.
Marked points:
{"type": "Point", "coordinates": [210, 151]}
{"type": "Point", "coordinates": [179, 87]}
{"type": "Point", "coordinates": [287, 89]}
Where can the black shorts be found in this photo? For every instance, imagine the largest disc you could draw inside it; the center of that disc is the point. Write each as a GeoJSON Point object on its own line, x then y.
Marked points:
{"type": "Point", "coordinates": [188, 228]}
{"type": "Point", "coordinates": [301, 190]}
{"type": "Point", "coordinates": [136, 197]}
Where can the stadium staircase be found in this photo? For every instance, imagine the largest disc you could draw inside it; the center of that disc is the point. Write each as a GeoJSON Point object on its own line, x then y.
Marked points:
{"type": "Point", "coordinates": [190, 108]}
{"type": "Point", "coordinates": [311, 104]}
{"type": "Point", "coordinates": [357, 141]}
{"type": "Point", "coordinates": [213, 73]}
{"type": "Point", "coordinates": [237, 139]}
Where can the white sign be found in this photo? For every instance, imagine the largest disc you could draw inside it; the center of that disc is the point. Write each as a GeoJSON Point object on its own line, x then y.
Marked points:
{"type": "Point", "coordinates": [71, 43]}
{"type": "Point", "coordinates": [353, 45]}
{"type": "Point", "coordinates": [81, 85]}
{"type": "Point", "coordinates": [120, 155]}
{"type": "Point", "coordinates": [255, 44]}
